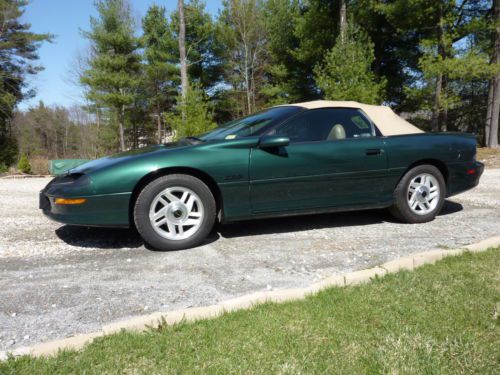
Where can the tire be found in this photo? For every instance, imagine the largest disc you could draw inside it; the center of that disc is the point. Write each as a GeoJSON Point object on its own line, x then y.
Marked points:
{"type": "Point", "coordinates": [175, 212]}
{"type": "Point", "coordinates": [414, 197]}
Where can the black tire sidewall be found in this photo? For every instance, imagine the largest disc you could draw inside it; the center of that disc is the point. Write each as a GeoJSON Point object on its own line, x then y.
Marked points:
{"type": "Point", "coordinates": [402, 210]}
{"type": "Point", "coordinates": [150, 191]}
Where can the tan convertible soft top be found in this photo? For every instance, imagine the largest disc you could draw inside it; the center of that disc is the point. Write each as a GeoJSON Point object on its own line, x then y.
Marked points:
{"type": "Point", "coordinates": [386, 120]}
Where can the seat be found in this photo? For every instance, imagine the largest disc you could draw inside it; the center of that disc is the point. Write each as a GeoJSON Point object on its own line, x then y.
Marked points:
{"type": "Point", "coordinates": [337, 132]}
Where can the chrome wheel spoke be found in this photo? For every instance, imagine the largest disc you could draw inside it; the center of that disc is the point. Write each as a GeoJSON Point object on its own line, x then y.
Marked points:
{"type": "Point", "coordinates": [159, 214]}
{"type": "Point", "coordinates": [170, 197]}
{"type": "Point", "coordinates": [159, 223]}
{"type": "Point", "coordinates": [426, 181]}
{"type": "Point", "coordinates": [185, 197]}
{"type": "Point", "coordinates": [190, 203]}
{"type": "Point", "coordinates": [414, 204]}
{"type": "Point", "coordinates": [163, 201]}
{"type": "Point", "coordinates": [190, 222]}
{"type": "Point", "coordinates": [171, 228]}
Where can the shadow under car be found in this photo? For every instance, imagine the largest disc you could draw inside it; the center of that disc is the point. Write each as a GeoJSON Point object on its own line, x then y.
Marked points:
{"type": "Point", "coordinates": [117, 238]}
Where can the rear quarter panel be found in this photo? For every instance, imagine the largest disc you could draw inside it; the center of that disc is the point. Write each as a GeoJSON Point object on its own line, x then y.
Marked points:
{"type": "Point", "coordinates": [454, 150]}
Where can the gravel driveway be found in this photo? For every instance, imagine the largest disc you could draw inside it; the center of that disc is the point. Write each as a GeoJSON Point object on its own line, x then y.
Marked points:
{"type": "Point", "coordinates": [57, 280]}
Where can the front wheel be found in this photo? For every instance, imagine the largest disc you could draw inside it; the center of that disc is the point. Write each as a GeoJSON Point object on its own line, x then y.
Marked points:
{"type": "Point", "coordinates": [175, 212]}
{"type": "Point", "coordinates": [419, 195]}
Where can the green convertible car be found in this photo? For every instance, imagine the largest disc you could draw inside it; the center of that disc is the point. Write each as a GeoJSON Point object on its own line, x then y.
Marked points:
{"type": "Point", "coordinates": [312, 157]}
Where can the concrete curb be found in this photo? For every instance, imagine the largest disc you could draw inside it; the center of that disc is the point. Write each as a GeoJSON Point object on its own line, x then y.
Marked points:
{"type": "Point", "coordinates": [153, 320]}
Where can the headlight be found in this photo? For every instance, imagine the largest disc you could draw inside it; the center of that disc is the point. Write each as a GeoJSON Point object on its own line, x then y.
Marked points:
{"type": "Point", "coordinates": [75, 179]}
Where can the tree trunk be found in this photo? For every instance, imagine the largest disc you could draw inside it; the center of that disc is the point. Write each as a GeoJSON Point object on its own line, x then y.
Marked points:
{"type": "Point", "coordinates": [495, 113]}
{"type": "Point", "coordinates": [121, 117]}
{"type": "Point", "coordinates": [342, 19]}
{"type": "Point", "coordinates": [66, 134]}
{"type": "Point", "coordinates": [159, 126]}
{"type": "Point", "coordinates": [487, 125]}
{"type": "Point", "coordinates": [247, 83]}
{"type": "Point", "coordinates": [437, 103]}
{"type": "Point", "coordinates": [182, 50]}
{"type": "Point", "coordinates": [495, 83]}
{"type": "Point", "coordinates": [439, 119]}
{"type": "Point", "coordinates": [444, 113]}
{"type": "Point", "coordinates": [95, 144]}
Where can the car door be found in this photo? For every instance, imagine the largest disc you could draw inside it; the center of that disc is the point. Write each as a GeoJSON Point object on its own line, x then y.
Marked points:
{"type": "Point", "coordinates": [335, 159]}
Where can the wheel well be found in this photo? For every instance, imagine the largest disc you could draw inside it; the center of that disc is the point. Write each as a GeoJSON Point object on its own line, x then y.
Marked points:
{"type": "Point", "coordinates": [436, 163]}
{"type": "Point", "coordinates": [205, 178]}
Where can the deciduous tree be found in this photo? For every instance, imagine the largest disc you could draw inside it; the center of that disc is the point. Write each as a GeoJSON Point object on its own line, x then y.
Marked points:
{"type": "Point", "coordinates": [242, 31]}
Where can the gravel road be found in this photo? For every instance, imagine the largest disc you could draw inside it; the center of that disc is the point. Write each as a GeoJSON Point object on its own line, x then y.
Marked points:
{"type": "Point", "coordinates": [56, 280]}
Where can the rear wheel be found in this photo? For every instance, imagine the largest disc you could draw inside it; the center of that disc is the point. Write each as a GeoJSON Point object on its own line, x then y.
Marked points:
{"type": "Point", "coordinates": [175, 212]}
{"type": "Point", "coordinates": [419, 196]}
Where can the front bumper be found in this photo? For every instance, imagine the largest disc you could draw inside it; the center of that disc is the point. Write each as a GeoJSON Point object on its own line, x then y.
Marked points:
{"type": "Point", "coordinates": [105, 210]}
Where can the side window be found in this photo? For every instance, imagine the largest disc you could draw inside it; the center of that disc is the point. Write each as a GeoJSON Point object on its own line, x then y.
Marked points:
{"type": "Point", "coordinates": [326, 124]}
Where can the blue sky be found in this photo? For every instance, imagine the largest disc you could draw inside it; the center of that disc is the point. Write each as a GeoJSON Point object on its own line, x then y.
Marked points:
{"type": "Point", "coordinates": [65, 19]}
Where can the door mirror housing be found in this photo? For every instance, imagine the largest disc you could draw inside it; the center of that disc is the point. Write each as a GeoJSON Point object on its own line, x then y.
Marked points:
{"type": "Point", "coordinates": [269, 141]}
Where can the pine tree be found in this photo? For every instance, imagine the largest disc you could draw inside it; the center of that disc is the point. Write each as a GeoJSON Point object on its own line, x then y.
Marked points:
{"type": "Point", "coordinates": [346, 71]}
{"type": "Point", "coordinates": [18, 50]}
{"type": "Point", "coordinates": [114, 66]}
{"type": "Point", "coordinates": [192, 115]}
{"type": "Point", "coordinates": [287, 78]}
{"type": "Point", "coordinates": [160, 70]}
{"type": "Point", "coordinates": [24, 164]}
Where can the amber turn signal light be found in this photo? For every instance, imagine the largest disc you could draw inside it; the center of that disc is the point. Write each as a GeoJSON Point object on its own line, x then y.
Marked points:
{"type": "Point", "coordinates": [70, 200]}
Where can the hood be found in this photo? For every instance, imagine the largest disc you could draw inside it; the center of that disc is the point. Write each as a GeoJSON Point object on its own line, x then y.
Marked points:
{"type": "Point", "coordinates": [126, 156]}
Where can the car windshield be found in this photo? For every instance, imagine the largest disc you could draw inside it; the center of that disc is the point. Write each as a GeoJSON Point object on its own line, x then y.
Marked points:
{"type": "Point", "coordinates": [250, 125]}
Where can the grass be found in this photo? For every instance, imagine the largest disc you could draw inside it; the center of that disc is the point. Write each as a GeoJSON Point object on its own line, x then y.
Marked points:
{"type": "Point", "coordinates": [439, 319]}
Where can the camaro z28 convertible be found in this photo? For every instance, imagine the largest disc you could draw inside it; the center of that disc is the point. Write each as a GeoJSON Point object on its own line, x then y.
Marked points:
{"type": "Point", "coordinates": [312, 157]}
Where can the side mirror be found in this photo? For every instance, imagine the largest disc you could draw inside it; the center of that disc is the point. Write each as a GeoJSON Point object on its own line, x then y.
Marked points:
{"type": "Point", "coordinates": [269, 141]}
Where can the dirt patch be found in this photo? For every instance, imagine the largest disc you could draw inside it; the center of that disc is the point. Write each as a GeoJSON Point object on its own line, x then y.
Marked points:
{"type": "Point", "coordinates": [489, 156]}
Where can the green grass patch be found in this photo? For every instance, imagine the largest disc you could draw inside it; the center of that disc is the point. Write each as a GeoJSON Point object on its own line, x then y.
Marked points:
{"type": "Point", "coordinates": [439, 319]}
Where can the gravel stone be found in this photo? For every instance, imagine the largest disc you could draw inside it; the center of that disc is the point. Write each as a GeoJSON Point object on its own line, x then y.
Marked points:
{"type": "Point", "coordinates": [58, 280]}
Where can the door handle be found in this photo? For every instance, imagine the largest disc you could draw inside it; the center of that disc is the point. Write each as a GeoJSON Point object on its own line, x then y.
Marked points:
{"type": "Point", "coordinates": [374, 151]}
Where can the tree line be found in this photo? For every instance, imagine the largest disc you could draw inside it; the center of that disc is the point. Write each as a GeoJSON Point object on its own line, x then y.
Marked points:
{"type": "Point", "coordinates": [436, 62]}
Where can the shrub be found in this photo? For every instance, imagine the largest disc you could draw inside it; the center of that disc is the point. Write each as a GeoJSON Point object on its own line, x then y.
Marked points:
{"type": "Point", "coordinates": [24, 164]}
{"type": "Point", "coordinates": [3, 168]}
{"type": "Point", "coordinates": [39, 165]}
